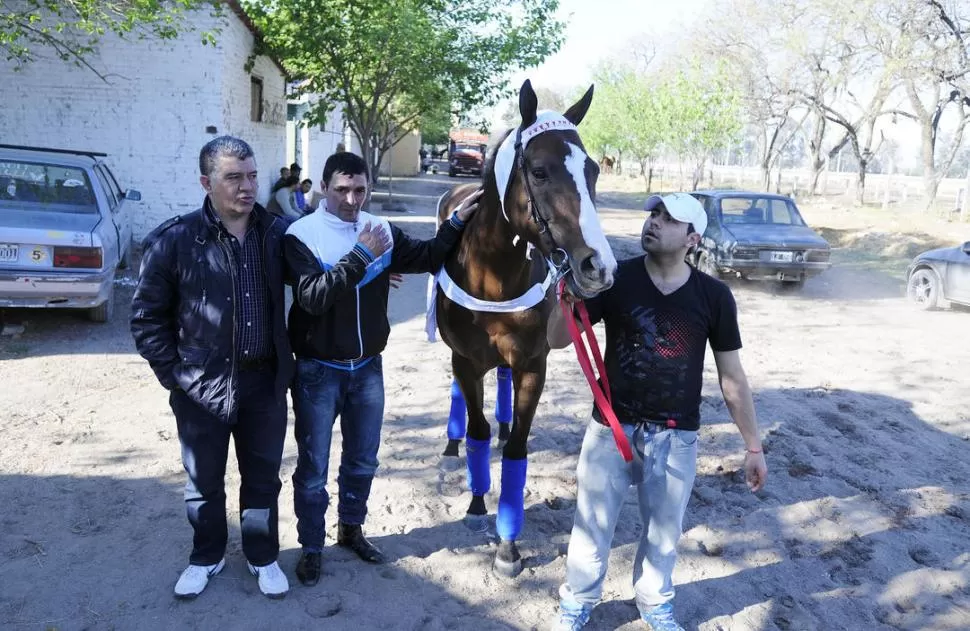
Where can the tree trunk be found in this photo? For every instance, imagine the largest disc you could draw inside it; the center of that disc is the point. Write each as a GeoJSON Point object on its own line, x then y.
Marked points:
{"type": "Point", "coordinates": [927, 152]}
{"type": "Point", "coordinates": [698, 173]}
{"type": "Point", "coordinates": [365, 139]}
{"type": "Point", "coordinates": [765, 177]}
{"type": "Point", "coordinates": [619, 163]}
{"type": "Point", "coordinates": [860, 191]}
{"type": "Point", "coordinates": [818, 167]}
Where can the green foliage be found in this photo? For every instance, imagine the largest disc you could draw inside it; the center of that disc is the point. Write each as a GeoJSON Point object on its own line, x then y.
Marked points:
{"type": "Point", "coordinates": [690, 112]}
{"type": "Point", "coordinates": [71, 30]}
{"type": "Point", "coordinates": [391, 62]}
{"type": "Point", "coordinates": [434, 126]}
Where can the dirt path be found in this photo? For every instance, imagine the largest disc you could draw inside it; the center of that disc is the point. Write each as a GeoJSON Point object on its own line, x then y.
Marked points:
{"type": "Point", "coordinates": [864, 523]}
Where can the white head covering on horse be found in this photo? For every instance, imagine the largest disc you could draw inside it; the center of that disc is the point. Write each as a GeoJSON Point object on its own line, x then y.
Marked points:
{"type": "Point", "coordinates": [546, 120]}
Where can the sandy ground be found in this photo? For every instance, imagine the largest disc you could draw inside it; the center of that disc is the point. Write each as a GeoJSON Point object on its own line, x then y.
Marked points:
{"type": "Point", "coordinates": [864, 522]}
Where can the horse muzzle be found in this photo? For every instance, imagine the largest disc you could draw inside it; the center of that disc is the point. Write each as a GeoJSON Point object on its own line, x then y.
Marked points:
{"type": "Point", "coordinates": [590, 276]}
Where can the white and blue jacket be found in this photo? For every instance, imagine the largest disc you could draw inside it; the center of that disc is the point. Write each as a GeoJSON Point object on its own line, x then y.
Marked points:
{"type": "Point", "coordinates": [339, 312]}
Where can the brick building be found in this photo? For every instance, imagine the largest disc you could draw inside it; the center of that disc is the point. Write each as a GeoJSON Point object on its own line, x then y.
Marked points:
{"type": "Point", "coordinates": [161, 102]}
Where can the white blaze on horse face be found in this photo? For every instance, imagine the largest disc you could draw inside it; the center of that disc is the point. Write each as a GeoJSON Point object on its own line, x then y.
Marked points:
{"type": "Point", "coordinates": [589, 222]}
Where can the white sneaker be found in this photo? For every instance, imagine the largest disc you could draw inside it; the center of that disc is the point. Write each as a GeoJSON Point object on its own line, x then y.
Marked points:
{"type": "Point", "coordinates": [272, 580]}
{"type": "Point", "coordinates": [194, 579]}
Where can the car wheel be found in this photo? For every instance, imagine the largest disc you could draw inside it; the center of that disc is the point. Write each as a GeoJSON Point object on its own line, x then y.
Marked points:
{"type": "Point", "coordinates": [923, 289]}
{"type": "Point", "coordinates": [705, 263]}
{"type": "Point", "coordinates": [103, 312]}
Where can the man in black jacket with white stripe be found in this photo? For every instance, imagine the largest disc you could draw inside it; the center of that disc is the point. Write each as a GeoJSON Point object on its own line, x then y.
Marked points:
{"type": "Point", "coordinates": [339, 261]}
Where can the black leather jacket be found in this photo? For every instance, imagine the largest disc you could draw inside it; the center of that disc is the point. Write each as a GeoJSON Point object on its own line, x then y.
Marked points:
{"type": "Point", "coordinates": [182, 314]}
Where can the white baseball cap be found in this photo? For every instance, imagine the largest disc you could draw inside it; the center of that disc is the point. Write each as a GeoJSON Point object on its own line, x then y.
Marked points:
{"type": "Point", "coordinates": [682, 207]}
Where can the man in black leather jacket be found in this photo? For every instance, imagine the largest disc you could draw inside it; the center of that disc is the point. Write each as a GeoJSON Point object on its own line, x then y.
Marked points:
{"type": "Point", "coordinates": [208, 315]}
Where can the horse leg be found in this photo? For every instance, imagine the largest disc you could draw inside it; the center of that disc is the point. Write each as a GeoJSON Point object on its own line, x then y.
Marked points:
{"type": "Point", "coordinates": [503, 404]}
{"type": "Point", "coordinates": [477, 447]}
{"type": "Point", "coordinates": [511, 503]}
{"type": "Point", "coordinates": [456, 421]}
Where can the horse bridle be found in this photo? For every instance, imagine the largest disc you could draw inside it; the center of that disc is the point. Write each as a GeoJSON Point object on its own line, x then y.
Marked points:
{"type": "Point", "coordinates": [561, 267]}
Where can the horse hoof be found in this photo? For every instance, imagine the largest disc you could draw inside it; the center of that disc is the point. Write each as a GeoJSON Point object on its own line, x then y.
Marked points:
{"type": "Point", "coordinates": [451, 451]}
{"type": "Point", "coordinates": [449, 463]}
{"type": "Point", "coordinates": [476, 523]}
{"type": "Point", "coordinates": [507, 569]}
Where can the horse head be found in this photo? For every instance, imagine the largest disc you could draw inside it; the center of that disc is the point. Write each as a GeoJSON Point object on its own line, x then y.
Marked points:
{"type": "Point", "coordinates": [547, 185]}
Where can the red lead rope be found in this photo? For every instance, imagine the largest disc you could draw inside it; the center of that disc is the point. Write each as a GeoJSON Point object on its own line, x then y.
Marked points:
{"type": "Point", "coordinates": [602, 396]}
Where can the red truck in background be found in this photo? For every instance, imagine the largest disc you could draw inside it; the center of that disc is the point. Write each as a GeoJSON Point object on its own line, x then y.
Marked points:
{"type": "Point", "coordinates": [466, 152]}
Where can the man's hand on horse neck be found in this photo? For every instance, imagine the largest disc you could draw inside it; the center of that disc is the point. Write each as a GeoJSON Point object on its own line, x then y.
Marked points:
{"type": "Point", "coordinates": [468, 206]}
{"type": "Point", "coordinates": [374, 239]}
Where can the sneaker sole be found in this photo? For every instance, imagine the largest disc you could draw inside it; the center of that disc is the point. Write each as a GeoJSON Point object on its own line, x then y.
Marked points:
{"type": "Point", "coordinates": [279, 596]}
{"type": "Point", "coordinates": [219, 568]}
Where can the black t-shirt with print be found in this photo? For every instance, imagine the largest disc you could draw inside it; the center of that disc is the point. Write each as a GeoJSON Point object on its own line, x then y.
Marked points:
{"type": "Point", "coordinates": [655, 344]}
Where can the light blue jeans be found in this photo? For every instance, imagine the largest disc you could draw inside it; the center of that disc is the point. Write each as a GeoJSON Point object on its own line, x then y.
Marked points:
{"type": "Point", "coordinates": [663, 469]}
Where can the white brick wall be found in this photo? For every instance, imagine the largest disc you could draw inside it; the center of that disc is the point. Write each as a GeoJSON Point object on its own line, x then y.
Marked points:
{"type": "Point", "coordinates": [267, 138]}
{"type": "Point", "coordinates": [317, 143]}
{"type": "Point", "coordinates": [151, 115]}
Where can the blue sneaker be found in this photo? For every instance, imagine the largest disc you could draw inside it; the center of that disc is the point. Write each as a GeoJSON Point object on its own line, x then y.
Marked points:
{"type": "Point", "coordinates": [573, 616]}
{"type": "Point", "coordinates": [661, 618]}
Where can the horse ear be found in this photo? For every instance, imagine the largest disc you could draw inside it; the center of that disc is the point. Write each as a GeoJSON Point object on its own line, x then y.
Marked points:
{"type": "Point", "coordinates": [528, 104]}
{"type": "Point", "coordinates": [576, 113]}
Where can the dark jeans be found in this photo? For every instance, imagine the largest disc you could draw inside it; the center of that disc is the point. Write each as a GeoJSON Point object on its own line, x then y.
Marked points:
{"type": "Point", "coordinates": [321, 394]}
{"type": "Point", "coordinates": [258, 435]}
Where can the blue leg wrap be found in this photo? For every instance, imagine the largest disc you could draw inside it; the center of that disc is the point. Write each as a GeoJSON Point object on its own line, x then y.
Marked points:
{"type": "Point", "coordinates": [503, 398]}
{"type": "Point", "coordinates": [479, 476]}
{"type": "Point", "coordinates": [457, 417]}
{"type": "Point", "coordinates": [511, 508]}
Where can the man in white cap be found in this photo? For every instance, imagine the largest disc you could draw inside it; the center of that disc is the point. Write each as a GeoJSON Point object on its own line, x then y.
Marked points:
{"type": "Point", "coordinates": [660, 315]}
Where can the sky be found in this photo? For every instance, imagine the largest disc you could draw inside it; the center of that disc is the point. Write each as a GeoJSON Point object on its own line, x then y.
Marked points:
{"type": "Point", "coordinates": [598, 28]}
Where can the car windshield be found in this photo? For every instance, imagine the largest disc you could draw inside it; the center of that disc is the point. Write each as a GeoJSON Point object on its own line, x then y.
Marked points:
{"type": "Point", "coordinates": [759, 210]}
{"type": "Point", "coordinates": [45, 187]}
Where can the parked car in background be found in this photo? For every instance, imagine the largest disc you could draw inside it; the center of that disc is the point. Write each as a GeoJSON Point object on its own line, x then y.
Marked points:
{"type": "Point", "coordinates": [758, 236]}
{"type": "Point", "coordinates": [938, 276]}
{"type": "Point", "coordinates": [65, 227]}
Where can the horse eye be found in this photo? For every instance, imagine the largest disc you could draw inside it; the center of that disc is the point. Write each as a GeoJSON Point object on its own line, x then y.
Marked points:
{"type": "Point", "coordinates": [539, 173]}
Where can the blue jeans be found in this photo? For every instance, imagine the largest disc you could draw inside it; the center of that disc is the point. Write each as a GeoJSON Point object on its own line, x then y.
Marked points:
{"type": "Point", "coordinates": [663, 469]}
{"type": "Point", "coordinates": [320, 394]}
{"type": "Point", "coordinates": [258, 434]}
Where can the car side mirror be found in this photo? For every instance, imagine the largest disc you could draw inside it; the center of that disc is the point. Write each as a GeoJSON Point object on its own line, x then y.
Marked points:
{"type": "Point", "coordinates": [966, 247]}
{"type": "Point", "coordinates": [133, 195]}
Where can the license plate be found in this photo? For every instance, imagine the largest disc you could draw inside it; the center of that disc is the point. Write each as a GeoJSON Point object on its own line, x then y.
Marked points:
{"type": "Point", "coordinates": [781, 257]}
{"type": "Point", "coordinates": [9, 253]}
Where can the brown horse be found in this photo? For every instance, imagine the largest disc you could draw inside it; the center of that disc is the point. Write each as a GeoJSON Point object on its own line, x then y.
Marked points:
{"type": "Point", "coordinates": [606, 164]}
{"type": "Point", "coordinates": [536, 222]}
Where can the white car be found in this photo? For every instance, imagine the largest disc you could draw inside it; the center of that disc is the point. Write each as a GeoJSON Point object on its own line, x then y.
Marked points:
{"type": "Point", "coordinates": [65, 227]}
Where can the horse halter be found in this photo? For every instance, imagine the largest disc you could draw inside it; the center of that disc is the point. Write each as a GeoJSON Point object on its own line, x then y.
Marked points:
{"type": "Point", "coordinates": [560, 268]}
